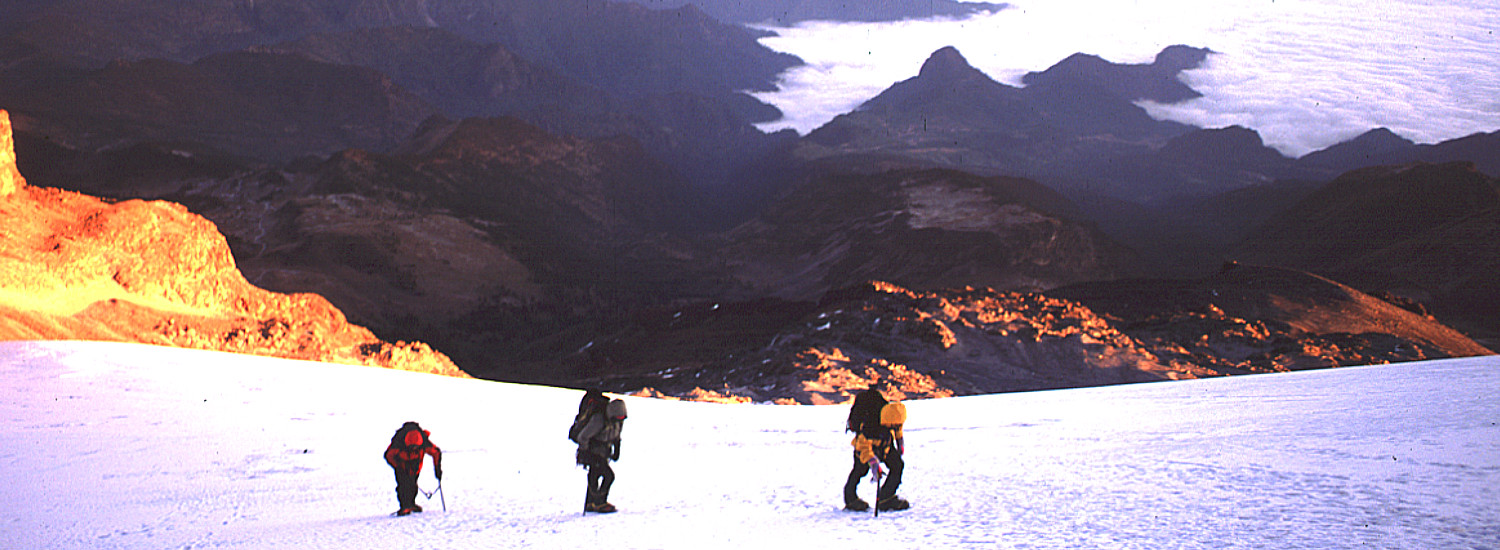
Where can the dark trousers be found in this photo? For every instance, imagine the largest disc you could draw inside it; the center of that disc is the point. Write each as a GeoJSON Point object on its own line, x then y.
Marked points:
{"type": "Point", "coordinates": [887, 454]}
{"type": "Point", "coordinates": [406, 489]}
{"type": "Point", "coordinates": [601, 476]}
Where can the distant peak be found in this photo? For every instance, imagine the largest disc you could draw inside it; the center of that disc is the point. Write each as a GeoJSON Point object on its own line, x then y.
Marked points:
{"type": "Point", "coordinates": [947, 64]}
{"type": "Point", "coordinates": [1383, 136]}
{"type": "Point", "coordinates": [1181, 58]}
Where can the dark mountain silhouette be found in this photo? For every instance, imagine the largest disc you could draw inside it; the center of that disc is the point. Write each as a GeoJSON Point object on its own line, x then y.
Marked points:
{"type": "Point", "coordinates": [1227, 185]}
{"type": "Point", "coordinates": [1156, 81]}
{"type": "Point", "coordinates": [1075, 128]}
{"type": "Point", "coordinates": [1382, 147]}
{"type": "Point", "coordinates": [1200, 163]}
{"type": "Point", "coordinates": [1178, 196]}
{"type": "Point", "coordinates": [1373, 148]}
{"type": "Point", "coordinates": [1421, 231]}
{"type": "Point", "coordinates": [1482, 149]}
{"type": "Point", "coordinates": [1079, 113]}
{"type": "Point", "coordinates": [1370, 209]}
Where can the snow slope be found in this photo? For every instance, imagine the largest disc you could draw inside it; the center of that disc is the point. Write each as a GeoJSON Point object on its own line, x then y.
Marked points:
{"type": "Point", "coordinates": [131, 446]}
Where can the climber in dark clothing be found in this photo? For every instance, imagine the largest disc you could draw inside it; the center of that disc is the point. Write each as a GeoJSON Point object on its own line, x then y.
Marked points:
{"type": "Point", "coordinates": [598, 444]}
{"type": "Point", "coordinates": [878, 438]}
{"type": "Point", "coordinates": [408, 448]}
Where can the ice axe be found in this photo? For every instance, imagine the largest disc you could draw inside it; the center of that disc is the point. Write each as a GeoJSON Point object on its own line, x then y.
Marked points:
{"type": "Point", "coordinates": [437, 473]}
{"type": "Point", "coordinates": [439, 492]}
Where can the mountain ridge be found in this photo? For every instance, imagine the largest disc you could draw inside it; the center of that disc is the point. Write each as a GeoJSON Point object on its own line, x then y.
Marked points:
{"type": "Point", "coordinates": [952, 115]}
{"type": "Point", "coordinates": [588, 196]}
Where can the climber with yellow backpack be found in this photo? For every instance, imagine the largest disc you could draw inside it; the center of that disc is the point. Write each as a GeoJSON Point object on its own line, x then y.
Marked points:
{"type": "Point", "coordinates": [878, 438]}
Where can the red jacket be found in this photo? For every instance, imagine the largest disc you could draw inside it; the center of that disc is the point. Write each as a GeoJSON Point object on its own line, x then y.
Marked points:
{"type": "Point", "coordinates": [407, 458]}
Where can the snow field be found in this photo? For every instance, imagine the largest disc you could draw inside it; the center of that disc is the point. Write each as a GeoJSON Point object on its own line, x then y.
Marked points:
{"type": "Point", "coordinates": [132, 446]}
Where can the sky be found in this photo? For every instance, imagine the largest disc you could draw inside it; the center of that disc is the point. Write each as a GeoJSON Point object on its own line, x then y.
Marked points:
{"type": "Point", "coordinates": [1306, 74]}
{"type": "Point", "coordinates": [123, 446]}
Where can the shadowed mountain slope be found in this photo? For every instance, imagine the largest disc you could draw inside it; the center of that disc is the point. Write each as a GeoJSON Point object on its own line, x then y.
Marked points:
{"type": "Point", "coordinates": [919, 228]}
{"type": "Point", "coordinates": [485, 237]}
{"type": "Point", "coordinates": [1424, 232]}
{"type": "Point", "coordinates": [622, 47]}
{"type": "Point", "coordinates": [1381, 147]}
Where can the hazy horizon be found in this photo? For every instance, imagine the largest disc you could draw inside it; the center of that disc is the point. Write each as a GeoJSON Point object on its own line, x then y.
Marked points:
{"type": "Point", "coordinates": [1305, 74]}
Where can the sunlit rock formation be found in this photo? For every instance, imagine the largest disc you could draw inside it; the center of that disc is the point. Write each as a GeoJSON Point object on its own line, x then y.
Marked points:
{"type": "Point", "coordinates": [74, 267]}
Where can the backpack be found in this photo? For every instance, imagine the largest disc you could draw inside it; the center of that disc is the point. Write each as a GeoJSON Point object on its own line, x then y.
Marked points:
{"type": "Point", "coordinates": [593, 403]}
{"type": "Point", "coordinates": [409, 441]}
{"type": "Point", "coordinates": [407, 430]}
{"type": "Point", "coordinates": [865, 413]}
{"type": "Point", "coordinates": [614, 422]}
{"type": "Point", "coordinates": [414, 440]}
{"type": "Point", "coordinates": [893, 414]}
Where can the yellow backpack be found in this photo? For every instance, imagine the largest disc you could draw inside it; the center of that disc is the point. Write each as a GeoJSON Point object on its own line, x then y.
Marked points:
{"type": "Point", "coordinates": [893, 414]}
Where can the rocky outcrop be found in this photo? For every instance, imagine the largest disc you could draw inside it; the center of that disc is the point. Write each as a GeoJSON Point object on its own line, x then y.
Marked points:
{"type": "Point", "coordinates": [923, 344]}
{"type": "Point", "coordinates": [75, 267]}
{"type": "Point", "coordinates": [10, 176]}
{"type": "Point", "coordinates": [1248, 318]}
{"type": "Point", "coordinates": [972, 341]}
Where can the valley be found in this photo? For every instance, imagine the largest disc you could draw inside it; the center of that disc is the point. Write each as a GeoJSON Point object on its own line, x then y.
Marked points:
{"type": "Point", "coordinates": [539, 193]}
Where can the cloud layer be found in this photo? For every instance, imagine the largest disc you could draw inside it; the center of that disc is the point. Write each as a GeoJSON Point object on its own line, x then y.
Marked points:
{"type": "Point", "coordinates": [1305, 74]}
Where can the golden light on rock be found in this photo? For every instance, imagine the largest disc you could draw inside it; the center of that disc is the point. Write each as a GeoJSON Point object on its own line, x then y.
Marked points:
{"type": "Point", "coordinates": [74, 267]}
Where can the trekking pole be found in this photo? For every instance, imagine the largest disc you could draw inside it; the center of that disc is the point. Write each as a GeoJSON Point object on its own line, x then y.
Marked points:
{"type": "Point", "coordinates": [876, 479]}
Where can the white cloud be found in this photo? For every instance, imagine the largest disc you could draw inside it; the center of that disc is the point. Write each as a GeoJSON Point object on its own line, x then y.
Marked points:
{"type": "Point", "coordinates": [1306, 74]}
